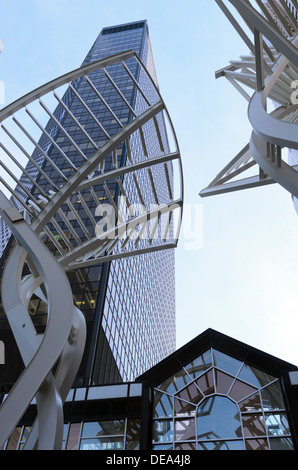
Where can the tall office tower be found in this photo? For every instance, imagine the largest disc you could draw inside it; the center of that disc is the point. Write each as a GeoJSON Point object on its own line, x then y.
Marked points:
{"type": "Point", "coordinates": [129, 303]}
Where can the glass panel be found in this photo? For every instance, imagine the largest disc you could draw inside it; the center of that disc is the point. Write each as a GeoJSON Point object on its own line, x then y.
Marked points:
{"type": "Point", "coordinates": [221, 445]}
{"type": "Point", "coordinates": [186, 446]}
{"type": "Point", "coordinates": [185, 430]}
{"type": "Point", "coordinates": [226, 363]}
{"type": "Point", "coordinates": [163, 447]}
{"type": "Point", "coordinates": [14, 439]}
{"type": "Point", "coordinates": [256, 444]}
{"type": "Point", "coordinates": [184, 408]}
{"type": "Point", "coordinates": [162, 405]}
{"type": "Point", "coordinates": [199, 365]}
{"type": "Point", "coordinates": [191, 393]}
{"type": "Point", "coordinates": [174, 383]}
{"type": "Point", "coordinates": [240, 390]}
{"type": "Point", "coordinates": [272, 397]}
{"type": "Point", "coordinates": [223, 382]}
{"type": "Point", "coordinates": [218, 417]}
{"type": "Point", "coordinates": [112, 443]}
{"type": "Point", "coordinates": [163, 431]}
{"type": "Point", "coordinates": [133, 434]}
{"type": "Point", "coordinates": [277, 424]}
{"type": "Point", "coordinates": [253, 425]}
{"type": "Point", "coordinates": [281, 444]}
{"type": "Point", "coordinates": [73, 436]}
{"type": "Point", "coordinates": [255, 377]}
{"type": "Point", "coordinates": [103, 428]}
{"type": "Point", "coordinates": [253, 403]}
{"type": "Point", "coordinates": [206, 383]}
{"type": "Point", "coordinates": [26, 432]}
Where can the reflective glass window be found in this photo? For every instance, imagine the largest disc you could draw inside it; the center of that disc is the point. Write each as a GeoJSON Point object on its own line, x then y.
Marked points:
{"type": "Point", "coordinates": [163, 431]}
{"type": "Point", "coordinates": [199, 365]}
{"type": "Point", "coordinates": [221, 445]}
{"type": "Point", "coordinates": [240, 390]}
{"type": "Point", "coordinates": [190, 393]}
{"type": "Point", "coordinates": [133, 434]}
{"type": "Point", "coordinates": [255, 376]}
{"type": "Point", "coordinates": [103, 443]}
{"type": "Point", "coordinates": [250, 404]}
{"type": "Point", "coordinates": [223, 382]}
{"type": "Point", "coordinates": [277, 424]}
{"type": "Point", "coordinates": [103, 428]}
{"type": "Point", "coordinates": [174, 383]}
{"type": "Point", "coordinates": [272, 397]}
{"type": "Point", "coordinates": [256, 444]}
{"type": "Point", "coordinates": [185, 429]}
{"type": "Point", "coordinates": [218, 417]}
{"type": "Point", "coordinates": [281, 443]}
{"type": "Point", "coordinates": [226, 363]}
{"type": "Point", "coordinates": [163, 405]}
{"type": "Point", "coordinates": [206, 383]}
{"type": "Point", "coordinates": [253, 425]}
{"type": "Point", "coordinates": [183, 408]}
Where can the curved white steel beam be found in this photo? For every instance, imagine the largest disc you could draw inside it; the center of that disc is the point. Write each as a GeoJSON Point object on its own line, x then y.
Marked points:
{"type": "Point", "coordinates": [42, 199]}
{"type": "Point", "coordinates": [271, 132]}
{"type": "Point", "coordinates": [41, 358]}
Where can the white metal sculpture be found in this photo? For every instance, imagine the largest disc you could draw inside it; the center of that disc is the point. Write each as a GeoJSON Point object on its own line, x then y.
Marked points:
{"type": "Point", "coordinates": [34, 218]}
{"type": "Point", "coordinates": [270, 71]}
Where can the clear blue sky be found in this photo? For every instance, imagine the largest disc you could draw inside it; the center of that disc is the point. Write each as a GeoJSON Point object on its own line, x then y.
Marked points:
{"type": "Point", "coordinates": [243, 279]}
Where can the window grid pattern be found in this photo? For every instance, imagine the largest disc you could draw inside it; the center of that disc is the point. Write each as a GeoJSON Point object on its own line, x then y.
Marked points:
{"type": "Point", "coordinates": [219, 403]}
{"type": "Point", "coordinates": [139, 307]}
{"type": "Point", "coordinates": [120, 434]}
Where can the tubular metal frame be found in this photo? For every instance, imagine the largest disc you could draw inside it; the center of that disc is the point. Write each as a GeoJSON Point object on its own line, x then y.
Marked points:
{"type": "Point", "coordinates": [268, 71]}
{"type": "Point", "coordinates": [34, 213]}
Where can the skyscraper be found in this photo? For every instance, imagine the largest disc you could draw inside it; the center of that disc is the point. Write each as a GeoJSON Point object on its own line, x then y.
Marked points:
{"type": "Point", "coordinates": [129, 304]}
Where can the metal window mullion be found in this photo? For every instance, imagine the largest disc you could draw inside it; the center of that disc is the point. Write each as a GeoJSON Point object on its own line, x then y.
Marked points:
{"type": "Point", "coordinates": [51, 139]}
{"type": "Point", "coordinates": [89, 111]}
{"type": "Point", "coordinates": [36, 145]}
{"type": "Point", "coordinates": [72, 116]}
{"type": "Point", "coordinates": [103, 101]}
{"type": "Point", "coordinates": [118, 91]}
{"type": "Point", "coordinates": [63, 130]}
{"type": "Point", "coordinates": [24, 171]}
{"type": "Point", "coordinates": [30, 158]}
{"type": "Point", "coordinates": [81, 223]}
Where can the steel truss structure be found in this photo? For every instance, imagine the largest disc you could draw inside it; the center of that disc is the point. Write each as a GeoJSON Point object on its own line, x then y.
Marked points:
{"type": "Point", "coordinates": [268, 74]}
{"type": "Point", "coordinates": [35, 216]}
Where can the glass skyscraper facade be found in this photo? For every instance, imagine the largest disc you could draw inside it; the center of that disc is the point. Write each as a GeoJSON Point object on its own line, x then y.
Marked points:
{"type": "Point", "coordinates": [129, 304]}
